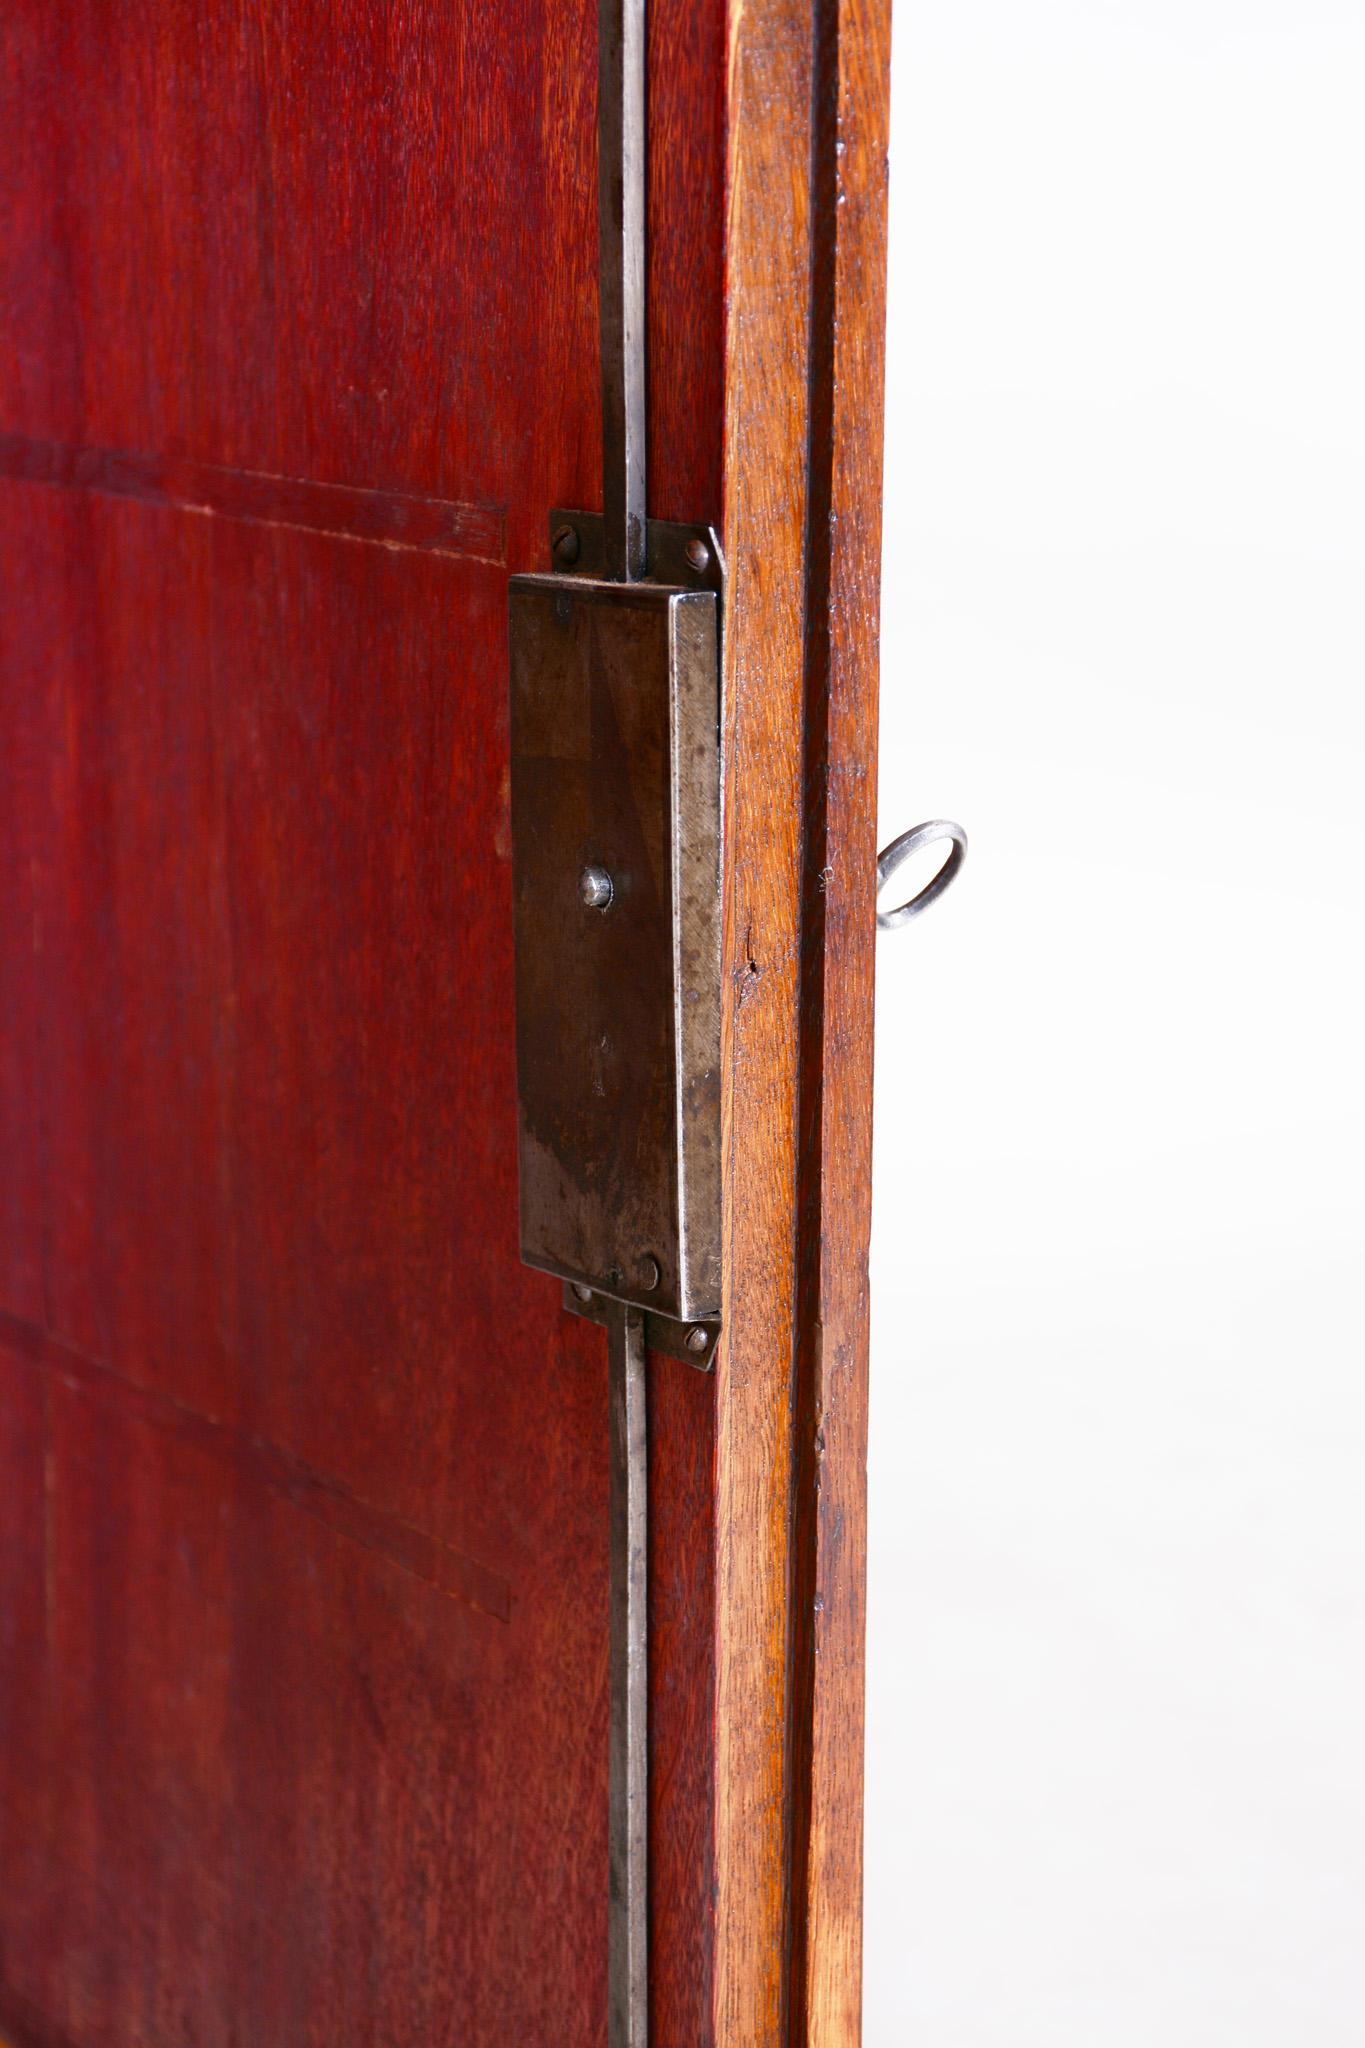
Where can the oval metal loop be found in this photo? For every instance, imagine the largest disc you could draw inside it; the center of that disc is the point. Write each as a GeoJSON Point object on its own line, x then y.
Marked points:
{"type": "Point", "coordinates": [900, 851]}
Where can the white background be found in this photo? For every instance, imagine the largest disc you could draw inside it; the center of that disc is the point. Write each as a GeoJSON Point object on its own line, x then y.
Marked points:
{"type": "Point", "coordinates": [1116, 1751]}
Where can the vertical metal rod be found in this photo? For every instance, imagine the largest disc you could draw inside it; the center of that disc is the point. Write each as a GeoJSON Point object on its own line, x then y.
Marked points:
{"type": "Point", "coordinates": [628, 1769]}
{"type": "Point", "coordinates": [621, 303]}
{"type": "Point", "coordinates": [621, 280]}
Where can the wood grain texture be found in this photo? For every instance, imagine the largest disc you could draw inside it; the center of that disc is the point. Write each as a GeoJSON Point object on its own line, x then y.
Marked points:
{"type": "Point", "coordinates": [837, 1025]}
{"type": "Point", "coordinates": [768, 255]}
{"type": "Point", "coordinates": [805, 268]}
{"type": "Point", "coordinates": [278, 1765]}
{"type": "Point", "coordinates": [302, 1475]}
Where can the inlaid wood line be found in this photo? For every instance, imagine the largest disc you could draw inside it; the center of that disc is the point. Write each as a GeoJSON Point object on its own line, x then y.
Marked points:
{"type": "Point", "coordinates": [342, 511]}
{"type": "Point", "coordinates": [438, 1565]}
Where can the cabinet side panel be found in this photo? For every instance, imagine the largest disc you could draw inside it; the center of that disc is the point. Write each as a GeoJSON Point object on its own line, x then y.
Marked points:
{"type": "Point", "coordinates": [848, 317]}
{"type": "Point", "coordinates": [805, 270]}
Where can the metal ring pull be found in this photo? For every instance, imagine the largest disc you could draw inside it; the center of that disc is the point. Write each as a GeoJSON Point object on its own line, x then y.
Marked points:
{"type": "Point", "coordinates": [900, 851]}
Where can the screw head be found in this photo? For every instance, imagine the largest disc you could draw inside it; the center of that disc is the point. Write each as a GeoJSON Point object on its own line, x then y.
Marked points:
{"type": "Point", "coordinates": [566, 545]}
{"type": "Point", "coordinates": [698, 1338]}
{"type": "Point", "coordinates": [698, 555]}
{"type": "Point", "coordinates": [648, 1273]}
{"type": "Point", "coordinates": [594, 889]}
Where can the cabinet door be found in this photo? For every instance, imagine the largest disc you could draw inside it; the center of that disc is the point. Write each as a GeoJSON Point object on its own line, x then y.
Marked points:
{"type": "Point", "coordinates": [303, 1475]}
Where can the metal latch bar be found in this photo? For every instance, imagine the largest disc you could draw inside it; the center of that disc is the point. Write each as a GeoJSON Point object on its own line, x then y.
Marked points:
{"type": "Point", "coordinates": [615, 736]}
{"type": "Point", "coordinates": [628, 1761]}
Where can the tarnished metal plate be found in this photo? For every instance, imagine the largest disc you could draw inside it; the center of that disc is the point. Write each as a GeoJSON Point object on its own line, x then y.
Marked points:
{"type": "Point", "coordinates": [616, 772]}
{"type": "Point", "coordinates": [685, 557]}
{"type": "Point", "coordinates": [694, 1343]}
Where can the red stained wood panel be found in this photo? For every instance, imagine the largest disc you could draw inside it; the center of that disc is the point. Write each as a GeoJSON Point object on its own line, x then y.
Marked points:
{"type": "Point", "coordinates": [302, 1475]}
{"type": "Point", "coordinates": [280, 1220]}
{"type": "Point", "coordinates": [22, 1258]}
{"type": "Point", "coordinates": [354, 246]}
{"type": "Point", "coordinates": [211, 1856]}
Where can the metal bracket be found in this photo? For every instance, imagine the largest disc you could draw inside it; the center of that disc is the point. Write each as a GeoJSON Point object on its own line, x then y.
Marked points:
{"type": "Point", "coordinates": [688, 557]}
{"type": "Point", "coordinates": [615, 728]}
{"type": "Point", "coordinates": [695, 1343]}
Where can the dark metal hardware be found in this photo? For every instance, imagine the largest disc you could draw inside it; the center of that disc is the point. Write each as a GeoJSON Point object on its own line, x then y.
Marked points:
{"type": "Point", "coordinates": [628, 1759]}
{"type": "Point", "coordinates": [900, 850]}
{"type": "Point", "coordinates": [564, 546]}
{"type": "Point", "coordinates": [695, 1343]}
{"type": "Point", "coordinates": [689, 557]}
{"type": "Point", "coordinates": [616, 885]}
{"type": "Point", "coordinates": [595, 889]}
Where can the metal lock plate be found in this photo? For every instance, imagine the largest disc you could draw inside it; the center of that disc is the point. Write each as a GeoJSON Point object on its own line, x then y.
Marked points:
{"type": "Point", "coordinates": [616, 862]}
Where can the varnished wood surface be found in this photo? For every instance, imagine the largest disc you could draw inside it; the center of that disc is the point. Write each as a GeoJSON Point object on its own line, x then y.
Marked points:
{"type": "Point", "coordinates": [836, 1126]}
{"type": "Point", "coordinates": [767, 427]}
{"type": "Point", "coordinates": [302, 1475]}
{"type": "Point", "coordinates": [803, 482]}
